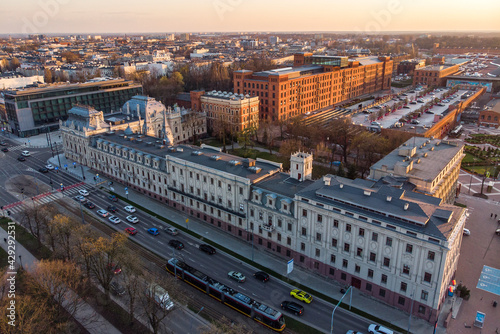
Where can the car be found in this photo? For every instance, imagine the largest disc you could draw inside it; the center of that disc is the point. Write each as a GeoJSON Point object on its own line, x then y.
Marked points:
{"type": "Point", "coordinates": [497, 232]}
{"type": "Point", "coordinates": [301, 295]}
{"type": "Point", "coordinates": [83, 192]}
{"type": "Point", "coordinates": [239, 277]}
{"type": "Point", "coordinates": [49, 167]}
{"type": "Point", "coordinates": [153, 231]}
{"type": "Point", "coordinates": [116, 288]}
{"type": "Point", "coordinates": [176, 244]}
{"type": "Point", "coordinates": [132, 219]}
{"type": "Point", "coordinates": [207, 249]}
{"type": "Point", "coordinates": [353, 332]}
{"type": "Point", "coordinates": [103, 213]}
{"type": "Point", "coordinates": [3, 143]}
{"type": "Point", "coordinates": [375, 123]}
{"type": "Point", "coordinates": [89, 205]}
{"type": "Point", "coordinates": [429, 112]}
{"type": "Point", "coordinates": [114, 268]}
{"type": "Point", "coordinates": [261, 276]}
{"type": "Point", "coordinates": [172, 230]}
{"type": "Point", "coordinates": [21, 158]}
{"type": "Point", "coordinates": [80, 198]}
{"type": "Point", "coordinates": [113, 198]}
{"type": "Point", "coordinates": [25, 153]}
{"type": "Point", "coordinates": [112, 208]}
{"type": "Point", "coordinates": [129, 209]}
{"type": "Point", "coordinates": [377, 329]}
{"type": "Point", "coordinates": [292, 307]}
{"type": "Point", "coordinates": [131, 230]}
{"type": "Point", "coordinates": [114, 219]}
{"type": "Point", "coordinates": [415, 121]}
{"type": "Point", "coordinates": [406, 107]}
{"type": "Point", "coordinates": [43, 170]}
{"type": "Point", "coordinates": [5, 149]}
{"type": "Point", "coordinates": [413, 102]}
{"type": "Point", "coordinates": [466, 231]}
{"type": "Point", "coordinates": [420, 101]}
{"type": "Point", "coordinates": [404, 94]}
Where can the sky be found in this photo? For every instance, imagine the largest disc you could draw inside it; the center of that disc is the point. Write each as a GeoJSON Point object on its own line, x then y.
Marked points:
{"type": "Point", "coordinates": [148, 16]}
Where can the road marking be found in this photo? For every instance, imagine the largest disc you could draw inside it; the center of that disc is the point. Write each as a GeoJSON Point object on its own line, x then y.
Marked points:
{"type": "Point", "coordinates": [161, 242]}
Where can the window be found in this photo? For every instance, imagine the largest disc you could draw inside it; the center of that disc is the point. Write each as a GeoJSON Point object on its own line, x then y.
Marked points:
{"type": "Point", "coordinates": [301, 259]}
{"type": "Point", "coordinates": [373, 257]}
{"type": "Point", "coordinates": [348, 227]}
{"type": "Point", "coordinates": [304, 231]}
{"type": "Point", "coordinates": [288, 241]}
{"type": "Point", "coordinates": [409, 248]}
{"type": "Point", "coordinates": [332, 271]}
{"type": "Point", "coordinates": [289, 226]}
{"type": "Point", "coordinates": [370, 273]}
{"type": "Point", "coordinates": [304, 213]}
{"type": "Point", "coordinates": [332, 258]}
{"type": "Point", "coordinates": [343, 276]}
{"type": "Point", "coordinates": [403, 286]}
{"type": "Point", "coordinates": [251, 213]}
{"type": "Point", "coordinates": [383, 279]}
{"type": "Point", "coordinates": [318, 236]}
{"type": "Point", "coordinates": [431, 255]}
{"type": "Point", "coordinates": [375, 237]}
{"type": "Point", "coordinates": [334, 242]}
{"type": "Point", "coordinates": [401, 300]}
{"type": "Point", "coordinates": [388, 242]}
{"type": "Point", "coordinates": [368, 287]}
{"type": "Point", "coordinates": [381, 293]}
{"type": "Point", "coordinates": [424, 295]}
{"type": "Point", "coordinates": [361, 232]}
{"type": "Point", "coordinates": [317, 252]}
{"type": "Point", "coordinates": [427, 277]}
{"type": "Point", "coordinates": [359, 252]}
{"type": "Point", "coordinates": [347, 247]}
{"type": "Point", "coordinates": [302, 247]}
{"type": "Point", "coordinates": [320, 218]}
{"type": "Point", "coordinates": [345, 263]}
{"type": "Point", "coordinates": [406, 269]}
{"type": "Point", "coordinates": [387, 262]}
{"type": "Point", "coordinates": [280, 222]}
{"type": "Point", "coordinates": [357, 268]}
{"type": "Point", "coordinates": [335, 223]}
{"type": "Point", "coordinates": [421, 309]}
{"type": "Point", "coordinates": [261, 215]}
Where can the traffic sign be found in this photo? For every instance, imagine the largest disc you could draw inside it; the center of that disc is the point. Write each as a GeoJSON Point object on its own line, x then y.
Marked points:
{"type": "Point", "coordinates": [126, 192]}
{"type": "Point", "coordinates": [126, 188]}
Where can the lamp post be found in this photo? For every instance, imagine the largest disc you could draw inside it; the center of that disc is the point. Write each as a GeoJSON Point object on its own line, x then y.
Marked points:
{"type": "Point", "coordinates": [349, 289]}
{"type": "Point", "coordinates": [411, 309]}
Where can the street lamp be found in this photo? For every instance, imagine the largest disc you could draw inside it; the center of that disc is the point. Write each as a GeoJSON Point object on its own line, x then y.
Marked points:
{"type": "Point", "coordinates": [349, 289]}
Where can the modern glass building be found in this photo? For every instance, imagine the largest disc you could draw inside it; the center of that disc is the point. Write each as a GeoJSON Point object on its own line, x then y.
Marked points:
{"type": "Point", "coordinates": [36, 110]}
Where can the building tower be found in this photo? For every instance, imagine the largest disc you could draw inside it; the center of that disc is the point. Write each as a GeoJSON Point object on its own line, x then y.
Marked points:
{"type": "Point", "coordinates": [301, 166]}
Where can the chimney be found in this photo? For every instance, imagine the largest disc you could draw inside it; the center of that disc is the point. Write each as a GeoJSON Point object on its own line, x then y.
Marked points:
{"type": "Point", "coordinates": [327, 180]}
{"type": "Point", "coordinates": [389, 198]}
{"type": "Point", "coordinates": [406, 206]}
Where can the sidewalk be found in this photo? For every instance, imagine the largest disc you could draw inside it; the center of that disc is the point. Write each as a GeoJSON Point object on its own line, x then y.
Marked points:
{"type": "Point", "coordinates": [326, 286]}
{"type": "Point", "coordinates": [85, 312]}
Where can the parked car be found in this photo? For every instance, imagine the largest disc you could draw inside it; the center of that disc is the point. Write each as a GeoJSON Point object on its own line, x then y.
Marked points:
{"type": "Point", "coordinates": [497, 232]}
{"type": "Point", "coordinates": [466, 231]}
{"type": "Point", "coordinates": [102, 213]}
{"type": "Point", "coordinates": [239, 277]}
{"type": "Point", "coordinates": [261, 276]}
{"type": "Point", "coordinates": [114, 268]}
{"type": "Point", "coordinates": [353, 332]}
{"type": "Point", "coordinates": [292, 307]}
{"type": "Point", "coordinates": [172, 230]}
{"type": "Point", "coordinates": [83, 192]}
{"type": "Point", "coordinates": [116, 288]}
{"type": "Point", "coordinates": [25, 153]}
{"type": "Point", "coordinates": [113, 198]}
{"type": "Point", "coordinates": [131, 230]}
{"type": "Point", "coordinates": [114, 219]}
{"type": "Point", "coordinates": [90, 205]}
{"type": "Point", "coordinates": [5, 149]}
{"type": "Point", "coordinates": [207, 249]}
{"type": "Point", "coordinates": [112, 208]}
{"type": "Point", "coordinates": [129, 209]}
{"type": "Point", "coordinates": [176, 244]}
{"type": "Point", "coordinates": [153, 231]}
{"type": "Point", "coordinates": [413, 102]}
{"type": "Point", "coordinates": [301, 295]}
{"type": "Point", "coordinates": [43, 170]}
{"type": "Point", "coordinates": [377, 329]}
{"type": "Point", "coordinates": [132, 219]}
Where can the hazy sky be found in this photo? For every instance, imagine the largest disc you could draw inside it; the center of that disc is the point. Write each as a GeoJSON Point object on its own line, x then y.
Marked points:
{"type": "Point", "coordinates": [113, 16]}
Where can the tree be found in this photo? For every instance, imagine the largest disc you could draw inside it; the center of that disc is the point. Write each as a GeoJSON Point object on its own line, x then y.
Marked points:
{"type": "Point", "coordinates": [132, 278]}
{"type": "Point", "coordinates": [47, 74]}
{"type": "Point", "coordinates": [222, 327]}
{"type": "Point", "coordinates": [288, 147]}
{"type": "Point", "coordinates": [70, 57]}
{"type": "Point", "coordinates": [343, 132]}
{"type": "Point", "coordinates": [61, 231]}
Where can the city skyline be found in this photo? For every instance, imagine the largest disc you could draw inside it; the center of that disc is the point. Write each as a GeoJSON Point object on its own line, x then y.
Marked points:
{"type": "Point", "coordinates": [63, 16]}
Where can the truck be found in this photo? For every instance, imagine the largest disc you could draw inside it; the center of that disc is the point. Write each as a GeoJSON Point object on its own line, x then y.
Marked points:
{"type": "Point", "coordinates": [160, 296]}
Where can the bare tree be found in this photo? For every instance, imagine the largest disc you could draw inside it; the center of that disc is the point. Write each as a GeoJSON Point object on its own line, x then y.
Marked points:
{"type": "Point", "coordinates": [222, 327]}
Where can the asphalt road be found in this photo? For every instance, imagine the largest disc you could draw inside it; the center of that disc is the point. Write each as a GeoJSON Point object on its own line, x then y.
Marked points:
{"type": "Point", "coordinates": [272, 293]}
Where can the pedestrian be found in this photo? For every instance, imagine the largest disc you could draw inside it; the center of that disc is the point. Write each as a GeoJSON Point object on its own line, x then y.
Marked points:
{"type": "Point", "coordinates": [496, 216]}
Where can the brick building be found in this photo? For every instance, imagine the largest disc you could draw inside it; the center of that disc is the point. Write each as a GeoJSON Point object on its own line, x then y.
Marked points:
{"type": "Point", "coordinates": [314, 82]}
{"type": "Point", "coordinates": [234, 112]}
{"type": "Point", "coordinates": [490, 115]}
{"type": "Point", "coordinates": [434, 75]}
{"type": "Point", "coordinates": [409, 66]}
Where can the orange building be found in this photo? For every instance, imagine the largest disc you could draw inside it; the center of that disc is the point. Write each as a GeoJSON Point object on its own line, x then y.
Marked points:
{"type": "Point", "coordinates": [313, 83]}
{"type": "Point", "coordinates": [490, 115]}
{"type": "Point", "coordinates": [434, 75]}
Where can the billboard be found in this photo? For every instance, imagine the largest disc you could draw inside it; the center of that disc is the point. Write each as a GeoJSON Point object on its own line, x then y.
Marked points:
{"type": "Point", "coordinates": [469, 84]}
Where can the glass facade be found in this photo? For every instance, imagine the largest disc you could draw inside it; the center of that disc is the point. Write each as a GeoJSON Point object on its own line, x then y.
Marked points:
{"type": "Point", "coordinates": [327, 60]}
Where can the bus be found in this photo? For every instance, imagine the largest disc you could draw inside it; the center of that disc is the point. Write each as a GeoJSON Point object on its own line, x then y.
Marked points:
{"type": "Point", "coordinates": [238, 301]}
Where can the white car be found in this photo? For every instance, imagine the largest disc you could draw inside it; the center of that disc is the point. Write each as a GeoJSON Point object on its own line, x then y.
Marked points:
{"type": "Point", "coordinates": [80, 198]}
{"type": "Point", "coordinates": [103, 213]}
{"type": "Point", "coordinates": [25, 153]}
{"type": "Point", "coordinates": [132, 219]}
{"type": "Point", "coordinates": [83, 192]}
{"type": "Point", "coordinates": [129, 209]}
{"type": "Point", "coordinates": [377, 329]}
{"type": "Point", "coordinates": [466, 231]}
{"type": "Point", "coordinates": [49, 167]}
{"type": "Point", "coordinates": [114, 219]}
{"type": "Point", "coordinates": [172, 230]}
{"type": "Point", "coordinates": [239, 277]}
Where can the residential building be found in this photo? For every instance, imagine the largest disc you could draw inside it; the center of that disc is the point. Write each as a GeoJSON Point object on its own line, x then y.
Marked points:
{"type": "Point", "coordinates": [490, 115]}
{"type": "Point", "coordinates": [434, 75]}
{"type": "Point", "coordinates": [12, 80]}
{"type": "Point", "coordinates": [431, 165]}
{"type": "Point", "coordinates": [409, 66]}
{"type": "Point", "coordinates": [313, 83]}
{"type": "Point", "coordinates": [228, 111]}
{"type": "Point", "coordinates": [33, 110]}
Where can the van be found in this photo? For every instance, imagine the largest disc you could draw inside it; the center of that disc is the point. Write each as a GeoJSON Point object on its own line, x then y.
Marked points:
{"type": "Point", "coordinates": [377, 329]}
{"type": "Point", "coordinates": [160, 296]}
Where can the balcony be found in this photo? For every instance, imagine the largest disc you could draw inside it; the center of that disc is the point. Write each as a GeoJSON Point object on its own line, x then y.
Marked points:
{"type": "Point", "coordinates": [267, 227]}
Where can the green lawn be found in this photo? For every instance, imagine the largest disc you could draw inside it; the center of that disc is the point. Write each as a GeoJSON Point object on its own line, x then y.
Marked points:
{"type": "Point", "coordinates": [480, 169]}
{"type": "Point", "coordinates": [28, 241]}
{"type": "Point", "coordinates": [470, 158]}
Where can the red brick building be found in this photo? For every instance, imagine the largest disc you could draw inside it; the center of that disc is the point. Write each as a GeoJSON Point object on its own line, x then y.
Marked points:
{"type": "Point", "coordinates": [490, 116]}
{"type": "Point", "coordinates": [434, 75]}
{"type": "Point", "coordinates": [313, 83]}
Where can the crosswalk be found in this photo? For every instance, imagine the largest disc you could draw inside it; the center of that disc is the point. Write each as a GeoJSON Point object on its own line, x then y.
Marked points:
{"type": "Point", "coordinates": [48, 197]}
